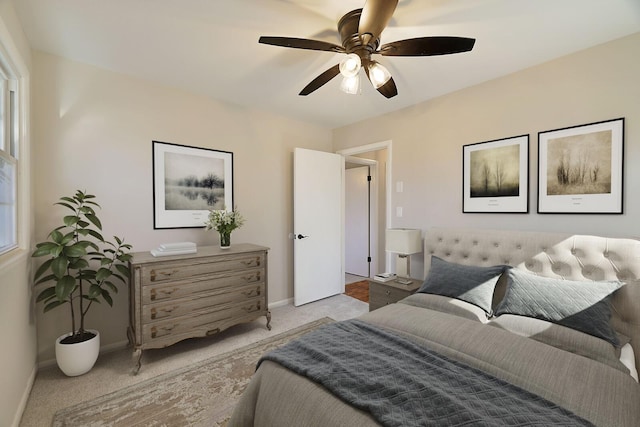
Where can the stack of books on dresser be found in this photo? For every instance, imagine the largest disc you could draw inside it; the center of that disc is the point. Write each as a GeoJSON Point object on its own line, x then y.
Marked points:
{"type": "Point", "coordinates": [177, 248]}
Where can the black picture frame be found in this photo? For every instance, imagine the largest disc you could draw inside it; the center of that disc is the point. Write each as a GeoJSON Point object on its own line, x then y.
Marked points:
{"type": "Point", "coordinates": [188, 182]}
{"type": "Point", "coordinates": [581, 169]}
{"type": "Point", "coordinates": [496, 176]}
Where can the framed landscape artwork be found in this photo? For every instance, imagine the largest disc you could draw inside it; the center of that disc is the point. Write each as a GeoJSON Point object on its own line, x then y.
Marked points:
{"type": "Point", "coordinates": [580, 169]}
{"type": "Point", "coordinates": [496, 176]}
{"type": "Point", "coordinates": [188, 182]}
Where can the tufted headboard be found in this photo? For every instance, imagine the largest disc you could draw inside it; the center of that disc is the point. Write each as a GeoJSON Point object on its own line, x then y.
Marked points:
{"type": "Point", "coordinates": [565, 256]}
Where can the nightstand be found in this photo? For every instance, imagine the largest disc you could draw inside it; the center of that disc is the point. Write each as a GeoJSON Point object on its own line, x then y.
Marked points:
{"type": "Point", "coordinates": [383, 293]}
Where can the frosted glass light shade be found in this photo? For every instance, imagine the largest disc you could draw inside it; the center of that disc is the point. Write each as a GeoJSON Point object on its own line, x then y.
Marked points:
{"type": "Point", "coordinates": [350, 66]}
{"type": "Point", "coordinates": [378, 74]}
{"type": "Point", "coordinates": [351, 85]}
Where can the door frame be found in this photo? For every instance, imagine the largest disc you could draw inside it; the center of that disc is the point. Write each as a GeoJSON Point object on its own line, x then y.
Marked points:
{"type": "Point", "coordinates": [375, 216]}
{"type": "Point", "coordinates": [373, 210]}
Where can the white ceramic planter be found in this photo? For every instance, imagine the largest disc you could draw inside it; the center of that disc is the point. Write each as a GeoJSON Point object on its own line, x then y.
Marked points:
{"type": "Point", "coordinates": [77, 359]}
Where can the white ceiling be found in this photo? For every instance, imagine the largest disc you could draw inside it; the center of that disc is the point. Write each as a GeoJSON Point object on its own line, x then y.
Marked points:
{"type": "Point", "coordinates": [211, 46]}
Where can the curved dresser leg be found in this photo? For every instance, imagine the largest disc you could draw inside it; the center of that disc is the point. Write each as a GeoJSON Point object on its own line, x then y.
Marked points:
{"type": "Point", "coordinates": [137, 359]}
{"type": "Point", "coordinates": [268, 320]}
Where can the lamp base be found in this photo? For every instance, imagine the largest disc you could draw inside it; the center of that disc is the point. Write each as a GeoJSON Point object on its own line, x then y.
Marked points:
{"type": "Point", "coordinates": [403, 265]}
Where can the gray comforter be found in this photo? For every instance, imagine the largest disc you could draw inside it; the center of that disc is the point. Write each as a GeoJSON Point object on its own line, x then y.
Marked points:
{"type": "Point", "coordinates": [402, 384]}
{"type": "Point", "coordinates": [597, 392]}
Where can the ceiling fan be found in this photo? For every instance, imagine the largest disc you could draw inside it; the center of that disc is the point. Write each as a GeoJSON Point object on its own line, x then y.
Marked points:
{"type": "Point", "coordinates": [360, 32]}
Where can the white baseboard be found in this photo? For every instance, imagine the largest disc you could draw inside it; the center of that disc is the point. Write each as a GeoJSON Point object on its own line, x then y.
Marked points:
{"type": "Point", "coordinates": [288, 301]}
{"type": "Point", "coordinates": [25, 397]}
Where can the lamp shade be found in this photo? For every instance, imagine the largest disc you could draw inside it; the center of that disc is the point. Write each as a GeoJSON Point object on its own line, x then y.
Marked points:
{"type": "Point", "coordinates": [403, 241]}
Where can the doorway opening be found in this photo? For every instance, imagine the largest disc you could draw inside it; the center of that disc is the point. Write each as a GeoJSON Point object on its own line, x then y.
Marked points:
{"type": "Point", "coordinates": [377, 159]}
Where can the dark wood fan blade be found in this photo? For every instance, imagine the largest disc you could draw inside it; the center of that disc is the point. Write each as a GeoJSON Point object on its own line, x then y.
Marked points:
{"type": "Point", "coordinates": [321, 80]}
{"type": "Point", "coordinates": [427, 46]}
{"type": "Point", "coordinates": [301, 43]}
{"type": "Point", "coordinates": [375, 17]}
{"type": "Point", "coordinates": [389, 89]}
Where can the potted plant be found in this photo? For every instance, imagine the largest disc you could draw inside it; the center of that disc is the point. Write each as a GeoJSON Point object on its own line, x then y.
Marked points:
{"type": "Point", "coordinates": [81, 269]}
{"type": "Point", "coordinates": [224, 222]}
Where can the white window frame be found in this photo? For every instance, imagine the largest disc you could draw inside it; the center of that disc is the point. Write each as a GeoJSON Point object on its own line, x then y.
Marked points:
{"type": "Point", "coordinates": [15, 147]}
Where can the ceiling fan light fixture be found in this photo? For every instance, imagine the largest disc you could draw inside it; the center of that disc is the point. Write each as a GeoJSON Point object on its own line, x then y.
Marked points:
{"type": "Point", "coordinates": [350, 65]}
{"type": "Point", "coordinates": [351, 85]}
{"type": "Point", "coordinates": [378, 74]}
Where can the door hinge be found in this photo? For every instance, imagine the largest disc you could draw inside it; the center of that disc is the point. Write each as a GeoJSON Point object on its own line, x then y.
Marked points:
{"type": "Point", "coordinates": [368, 259]}
{"type": "Point", "coordinates": [368, 177]}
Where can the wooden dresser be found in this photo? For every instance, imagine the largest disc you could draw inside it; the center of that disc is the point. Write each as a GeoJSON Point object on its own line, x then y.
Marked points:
{"type": "Point", "coordinates": [184, 296]}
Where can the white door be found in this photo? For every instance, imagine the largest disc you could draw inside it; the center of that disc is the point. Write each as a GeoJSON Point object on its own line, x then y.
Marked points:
{"type": "Point", "coordinates": [318, 193]}
{"type": "Point", "coordinates": [356, 225]}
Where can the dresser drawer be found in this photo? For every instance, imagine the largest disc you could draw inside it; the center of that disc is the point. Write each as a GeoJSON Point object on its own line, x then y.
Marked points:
{"type": "Point", "coordinates": [208, 320]}
{"type": "Point", "coordinates": [381, 294]}
{"type": "Point", "coordinates": [202, 301]}
{"type": "Point", "coordinates": [176, 270]}
{"type": "Point", "coordinates": [180, 288]}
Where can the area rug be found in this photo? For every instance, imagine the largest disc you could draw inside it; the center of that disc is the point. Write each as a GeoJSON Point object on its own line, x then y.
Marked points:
{"type": "Point", "coordinates": [203, 394]}
{"type": "Point", "coordinates": [358, 290]}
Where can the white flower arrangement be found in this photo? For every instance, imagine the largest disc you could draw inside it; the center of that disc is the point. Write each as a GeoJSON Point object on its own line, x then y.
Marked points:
{"type": "Point", "coordinates": [223, 221]}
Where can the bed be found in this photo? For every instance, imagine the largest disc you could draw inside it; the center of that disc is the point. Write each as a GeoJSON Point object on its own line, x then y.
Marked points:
{"type": "Point", "coordinates": [509, 328]}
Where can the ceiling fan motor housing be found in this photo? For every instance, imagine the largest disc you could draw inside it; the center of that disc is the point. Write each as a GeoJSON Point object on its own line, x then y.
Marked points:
{"type": "Point", "coordinates": [351, 38]}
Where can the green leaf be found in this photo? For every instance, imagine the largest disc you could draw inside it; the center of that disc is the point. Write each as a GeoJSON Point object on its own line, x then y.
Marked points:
{"type": "Point", "coordinates": [66, 205]}
{"type": "Point", "coordinates": [56, 236]}
{"type": "Point", "coordinates": [117, 240]}
{"type": "Point", "coordinates": [94, 292]}
{"type": "Point", "coordinates": [64, 287]}
{"type": "Point", "coordinates": [45, 279]}
{"type": "Point", "coordinates": [125, 257]}
{"type": "Point", "coordinates": [107, 297]}
{"type": "Point", "coordinates": [102, 274]}
{"type": "Point", "coordinates": [78, 263]}
{"type": "Point", "coordinates": [70, 220]}
{"type": "Point", "coordinates": [68, 199]}
{"type": "Point", "coordinates": [75, 251]}
{"type": "Point", "coordinates": [94, 219]}
{"type": "Point", "coordinates": [42, 269]}
{"type": "Point", "coordinates": [97, 235]}
{"type": "Point", "coordinates": [83, 224]}
{"type": "Point", "coordinates": [67, 238]}
{"type": "Point", "coordinates": [44, 249]}
{"type": "Point", "coordinates": [111, 286]}
{"type": "Point", "coordinates": [119, 277]}
{"type": "Point", "coordinates": [52, 305]}
{"type": "Point", "coordinates": [59, 266]}
{"type": "Point", "coordinates": [46, 294]}
{"type": "Point", "coordinates": [123, 269]}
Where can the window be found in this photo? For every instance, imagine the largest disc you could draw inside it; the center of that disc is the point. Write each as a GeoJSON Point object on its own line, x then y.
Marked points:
{"type": "Point", "coordinates": [8, 162]}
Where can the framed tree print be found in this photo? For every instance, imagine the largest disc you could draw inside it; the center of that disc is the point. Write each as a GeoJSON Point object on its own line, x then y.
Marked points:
{"type": "Point", "coordinates": [188, 182]}
{"type": "Point", "coordinates": [496, 176]}
{"type": "Point", "coordinates": [580, 169]}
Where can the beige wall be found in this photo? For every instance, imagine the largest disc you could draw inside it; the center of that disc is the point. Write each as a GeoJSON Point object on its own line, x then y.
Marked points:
{"type": "Point", "coordinates": [597, 84]}
{"type": "Point", "coordinates": [94, 132]}
{"type": "Point", "coordinates": [17, 323]}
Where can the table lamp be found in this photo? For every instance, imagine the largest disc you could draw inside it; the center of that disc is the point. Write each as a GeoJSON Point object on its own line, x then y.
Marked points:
{"type": "Point", "coordinates": [404, 242]}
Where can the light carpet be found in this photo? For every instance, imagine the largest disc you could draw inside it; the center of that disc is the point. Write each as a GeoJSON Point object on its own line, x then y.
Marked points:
{"type": "Point", "coordinates": [203, 394]}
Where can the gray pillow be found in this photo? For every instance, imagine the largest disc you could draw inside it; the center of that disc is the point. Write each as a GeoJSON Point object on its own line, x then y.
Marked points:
{"type": "Point", "coordinates": [581, 305]}
{"type": "Point", "coordinates": [468, 283]}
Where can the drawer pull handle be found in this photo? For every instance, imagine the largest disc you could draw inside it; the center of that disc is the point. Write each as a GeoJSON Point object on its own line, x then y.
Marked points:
{"type": "Point", "coordinates": [252, 262]}
{"type": "Point", "coordinates": [164, 274]}
{"type": "Point", "coordinates": [213, 331]}
{"type": "Point", "coordinates": [164, 311]}
{"type": "Point", "coordinates": [160, 332]}
{"type": "Point", "coordinates": [253, 277]}
{"type": "Point", "coordinates": [387, 292]}
{"type": "Point", "coordinates": [252, 292]}
{"type": "Point", "coordinates": [251, 308]}
{"type": "Point", "coordinates": [165, 293]}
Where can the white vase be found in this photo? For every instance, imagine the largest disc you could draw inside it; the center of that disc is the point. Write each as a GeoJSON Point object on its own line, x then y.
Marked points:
{"type": "Point", "coordinates": [77, 359]}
